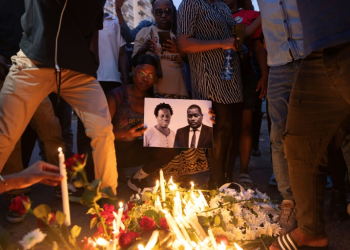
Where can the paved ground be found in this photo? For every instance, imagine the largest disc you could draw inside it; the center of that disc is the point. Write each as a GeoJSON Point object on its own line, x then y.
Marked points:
{"type": "Point", "coordinates": [260, 170]}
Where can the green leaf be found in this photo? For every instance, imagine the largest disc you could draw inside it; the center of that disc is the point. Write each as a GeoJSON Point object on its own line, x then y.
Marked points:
{"type": "Point", "coordinates": [42, 211]}
{"type": "Point", "coordinates": [204, 221]}
{"type": "Point", "coordinates": [91, 211]}
{"type": "Point", "coordinates": [93, 222]}
{"type": "Point", "coordinates": [213, 193]}
{"type": "Point", "coordinates": [228, 199]}
{"type": "Point", "coordinates": [75, 231]}
{"type": "Point", "coordinates": [88, 197]}
{"type": "Point", "coordinates": [94, 184]}
{"type": "Point", "coordinates": [217, 221]}
{"type": "Point", "coordinates": [78, 183]}
{"type": "Point", "coordinates": [108, 191]}
{"type": "Point", "coordinates": [60, 217]}
{"type": "Point", "coordinates": [192, 235]}
{"type": "Point", "coordinates": [152, 214]}
{"type": "Point", "coordinates": [146, 195]}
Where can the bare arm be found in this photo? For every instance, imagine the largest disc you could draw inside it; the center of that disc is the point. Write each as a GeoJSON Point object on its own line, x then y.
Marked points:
{"type": "Point", "coordinates": [123, 65]}
{"type": "Point", "coordinates": [261, 56]}
{"type": "Point", "coordinates": [187, 44]}
{"type": "Point", "coordinates": [251, 28]}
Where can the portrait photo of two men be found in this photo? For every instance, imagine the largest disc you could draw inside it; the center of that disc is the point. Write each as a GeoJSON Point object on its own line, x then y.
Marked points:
{"type": "Point", "coordinates": [175, 123]}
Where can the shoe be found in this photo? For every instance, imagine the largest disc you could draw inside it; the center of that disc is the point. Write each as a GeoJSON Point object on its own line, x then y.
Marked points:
{"type": "Point", "coordinates": [285, 242]}
{"type": "Point", "coordinates": [74, 193]}
{"type": "Point", "coordinates": [338, 206]}
{"type": "Point", "coordinates": [286, 217]}
{"type": "Point", "coordinates": [245, 181]}
{"type": "Point", "coordinates": [15, 192]}
{"type": "Point", "coordinates": [256, 152]}
{"type": "Point", "coordinates": [14, 217]}
{"type": "Point", "coordinates": [136, 184]}
{"type": "Point", "coordinates": [273, 181]}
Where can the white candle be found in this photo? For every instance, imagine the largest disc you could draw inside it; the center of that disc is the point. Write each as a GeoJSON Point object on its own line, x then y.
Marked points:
{"type": "Point", "coordinates": [184, 232]}
{"type": "Point", "coordinates": [212, 239]}
{"type": "Point", "coordinates": [64, 187]}
{"type": "Point", "coordinates": [122, 226]}
{"type": "Point", "coordinates": [162, 187]}
{"type": "Point", "coordinates": [141, 247]}
{"type": "Point", "coordinates": [172, 224]}
{"type": "Point", "coordinates": [112, 245]}
{"type": "Point", "coordinates": [184, 222]}
{"type": "Point", "coordinates": [203, 199]}
{"type": "Point", "coordinates": [237, 247]}
{"type": "Point", "coordinates": [153, 240]}
{"type": "Point", "coordinates": [157, 205]}
{"type": "Point", "coordinates": [222, 246]}
{"type": "Point", "coordinates": [156, 187]}
{"type": "Point", "coordinates": [179, 206]}
{"type": "Point", "coordinates": [193, 220]}
{"type": "Point", "coordinates": [192, 185]}
{"type": "Point", "coordinates": [120, 214]}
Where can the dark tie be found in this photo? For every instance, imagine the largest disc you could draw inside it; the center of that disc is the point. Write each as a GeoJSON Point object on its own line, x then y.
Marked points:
{"type": "Point", "coordinates": [193, 141]}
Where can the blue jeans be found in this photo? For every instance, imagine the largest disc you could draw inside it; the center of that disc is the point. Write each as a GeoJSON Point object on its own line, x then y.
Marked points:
{"type": "Point", "coordinates": [318, 122]}
{"type": "Point", "coordinates": [281, 79]}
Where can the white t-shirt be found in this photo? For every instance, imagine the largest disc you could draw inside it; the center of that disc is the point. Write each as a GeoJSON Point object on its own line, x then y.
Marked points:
{"type": "Point", "coordinates": [109, 43]}
{"type": "Point", "coordinates": [154, 138]}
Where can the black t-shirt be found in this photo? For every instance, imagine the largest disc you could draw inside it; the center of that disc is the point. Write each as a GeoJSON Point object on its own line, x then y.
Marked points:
{"type": "Point", "coordinates": [40, 25]}
{"type": "Point", "coordinates": [10, 26]}
{"type": "Point", "coordinates": [325, 23]}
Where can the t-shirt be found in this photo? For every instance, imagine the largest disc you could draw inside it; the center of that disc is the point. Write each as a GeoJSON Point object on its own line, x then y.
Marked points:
{"type": "Point", "coordinates": [154, 138]}
{"type": "Point", "coordinates": [109, 43]}
{"type": "Point", "coordinates": [207, 21]}
{"type": "Point", "coordinates": [173, 80]}
{"type": "Point", "coordinates": [325, 23]}
{"type": "Point", "coordinates": [41, 22]}
{"type": "Point", "coordinates": [247, 17]}
{"type": "Point", "coordinates": [10, 26]}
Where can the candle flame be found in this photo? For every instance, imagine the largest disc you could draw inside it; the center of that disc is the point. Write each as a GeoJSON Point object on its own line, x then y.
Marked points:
{"type": "Point", "coordinates": [192, 184]}
{"type": "Point", "coordinates": [222, 246]}
{"type": "Point", "coordinates": [102, 242]}
{"type": "Point", "coordinates": [140, 247]}
{"type": "Point", "coordinates": [237, 247]}
{"type": "Point", "coordinates": [60, 149]}
{"type": "Point", "coordinates": [157, 183]}
{"type": "Point", "coordinates": [120, 204]}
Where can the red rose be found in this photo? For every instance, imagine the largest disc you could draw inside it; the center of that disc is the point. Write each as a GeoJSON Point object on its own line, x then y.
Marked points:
{"type": "Point", "coordinates": [131, 204]}
{"type": "Point", "coordinates": [126, 238]}
{"type": "Point", "coordinates": [221, 238]}
{"type": "Point", "coordinates": [147, 223]}
{"type": "Point", "coordinates": [41, 224]}
{"type": "Point", "coordinates": [87, 244]}
{"type": "Point", "coordinates": [17, 204]}
{"type": "Point", "coordinates": [71, 161]}
{"type": "Point", "coordinates": [163, 223]}
{"type": "Point", "coordinates": [108, 208]}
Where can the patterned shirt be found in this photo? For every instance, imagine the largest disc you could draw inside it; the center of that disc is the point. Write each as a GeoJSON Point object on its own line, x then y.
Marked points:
{"type": "Point", "coordinates": [207, 21]}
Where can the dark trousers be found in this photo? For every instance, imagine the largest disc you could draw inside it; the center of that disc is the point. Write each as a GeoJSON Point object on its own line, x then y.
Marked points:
{"type": "Point", "coordinates": [133, 154]}
{"type": "Point", "coordinates": [317, 124]}
{"type": "Point", "coordinates": [226, 139]}
{"type": "Point", "coordinates": [256, 122]}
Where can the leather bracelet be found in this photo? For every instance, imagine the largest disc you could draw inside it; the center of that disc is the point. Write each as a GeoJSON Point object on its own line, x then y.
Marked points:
{"type": "Point", "coordinates": [3, 181]}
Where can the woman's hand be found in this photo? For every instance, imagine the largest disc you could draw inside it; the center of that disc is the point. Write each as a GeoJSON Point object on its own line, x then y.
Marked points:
{"type": "Point", "coordinates": [171, 46]}
{"type": "Point", "coordinates": [128, 132]}
{"type": "Point", "coordinates": [229, 43]}
{"type": "Point", "coordinates": [262, 84]}
{"type": "Point", "coordinates": [212, 115]}
{"type": "Point", "coordinates": [149, 45]}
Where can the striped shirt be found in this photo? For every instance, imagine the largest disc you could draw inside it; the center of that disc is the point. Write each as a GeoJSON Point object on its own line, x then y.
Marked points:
{"type": "Point", "coordinates": [206, 21]}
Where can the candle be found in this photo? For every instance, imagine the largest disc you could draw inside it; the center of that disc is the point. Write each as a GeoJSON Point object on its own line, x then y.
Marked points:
{"type": "Point", "coordinates": [193, 220]}
{"type": "Point", "coordinates": [179, 205]}
{"type": "Point", "coordinates": [237, 247]}
{"type": "Point", "coordinates": [120, 214]}
{"type": "Point", "coordinates": [184, 222]}
{"type": "Point", "coordinates": [141, 247]}
{"type": "Point", "coordinates": [222, 246]}
{"type": "Point", "coordinates": [157, 205]}
{"type": "Point", "coordinates": [162, 187]}
{"type": "Point", "coordinates": [156, 187]}
{"type": "Point", "coordinates": [102, 242]}
{"type": "Point", "coordinates": [212, 239]}
{"type": "Point", "coordinates": [170, 182]}
{"type": "Point", "coordinates": [203, 199]}
{"type": "Point", "coordinates": [153, 240]}
{"type": "Point", "coordinates": [184, 232]}
{"type": "Point", "coordinates": [64, 187]}
{"type": "Point", "coordinates": [192, 185]}
{"type": "Point", "coordinates": [172, 224]}
{"type": "Point", "coordinates": [112, 245]}
{"type": "Point", "coordinates": [122, 226]}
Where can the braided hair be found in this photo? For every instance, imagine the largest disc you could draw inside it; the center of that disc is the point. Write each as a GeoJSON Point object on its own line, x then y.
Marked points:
{"type": "Point", "coordinates": [174, 20]}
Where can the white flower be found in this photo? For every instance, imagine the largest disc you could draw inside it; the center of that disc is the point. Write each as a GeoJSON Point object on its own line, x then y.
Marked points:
{"type": "Point", "coordinates": [31, 239]}
{"type": "Point", "coordinates": [276, 229]}
{"type": "Point", "coordinates": [236, 209]}
{"type": "Point", "coordinates": [260, 231]}
{"type": "Point", "coordinates": [240, 222]}
{"type": "Point", "coordinates": [249, 234]}
{"type": "Point", "coordinates": [226, 217]}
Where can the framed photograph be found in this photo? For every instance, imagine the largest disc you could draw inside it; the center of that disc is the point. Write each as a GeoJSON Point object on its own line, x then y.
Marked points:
{"type": "Point", "coordinates": [177, 123]}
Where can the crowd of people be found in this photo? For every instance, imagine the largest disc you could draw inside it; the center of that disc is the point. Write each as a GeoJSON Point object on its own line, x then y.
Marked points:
{"type": "Point", "coordinates": [295, 51]}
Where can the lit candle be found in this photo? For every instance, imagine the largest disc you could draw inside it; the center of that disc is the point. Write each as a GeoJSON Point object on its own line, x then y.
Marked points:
{"type": "Point", "coordinates": [184, 222]}
{"type": "Point", "coordinates": [122, 226]}
{"type": "Point", "coordinates": [237, 247]}
{"type": "Point", "coordinates": [141, 247]}
{"type": "Point", "coordinates": [184, 232]}
{"type": "Point", "coordinates": [212, 239]}
{"type": "Point", "coordinates": [172, 224]}
{"type": "Point", "coordinates": [203, 199]}
{"type": "Point", "coordinates": [112, 245]}
{"type": "Point", "coordinates": [222, 246]}
{"type": "Point", "coordinates": [193, 220]}
{"type": "Point", "coordinates": [170, 182]}
{"type": "Point", "coordinates": [120, 214]}
{"type": "Point", "coordinates": [179, 206]}
{"type": "Point", "coordinates": [162, 187]}
{"type": "Point", "coordinates": [156, 187]}
{"type": "Point", "coordinates": [64, 187]}
{"type": "Point", "coordinates": [153, 240]}
{"type": "Point", "coordinates": [157, 205]}
{"type": "Point", "coordinates": [192, 185]}
{"type": "Point", "coordinates": [102, 242]}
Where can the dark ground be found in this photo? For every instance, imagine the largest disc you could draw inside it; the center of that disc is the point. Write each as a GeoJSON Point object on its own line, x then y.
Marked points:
{"type": "Point", "coordinates": [260, 171]}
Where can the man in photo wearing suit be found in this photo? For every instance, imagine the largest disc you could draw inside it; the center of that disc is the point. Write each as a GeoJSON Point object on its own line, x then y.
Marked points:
{"type": "Point", "coordinates": [196, 134]}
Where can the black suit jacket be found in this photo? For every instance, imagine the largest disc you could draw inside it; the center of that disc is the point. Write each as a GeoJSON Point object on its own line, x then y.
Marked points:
{"type": "Point", "coordinates": [205, 138]}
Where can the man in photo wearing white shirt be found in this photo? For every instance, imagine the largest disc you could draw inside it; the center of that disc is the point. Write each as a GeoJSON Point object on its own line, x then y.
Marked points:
{"type": "Point", "coordinates": [196, 134]}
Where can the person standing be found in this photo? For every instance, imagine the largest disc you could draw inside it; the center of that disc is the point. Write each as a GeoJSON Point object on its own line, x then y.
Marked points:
{"type": "Point", "coordinates": [55, 56]}
{"type": "Point", "coordinates": [284, 42]}
{"type": "Point", "coordinates": [204, 33]}
{"type": "Point", "coordinates": [319, 116]}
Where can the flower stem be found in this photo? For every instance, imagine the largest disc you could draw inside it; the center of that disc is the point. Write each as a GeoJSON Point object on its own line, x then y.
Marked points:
{"type": "Point", "coordinates": [263, 244]}
{"type": "Point", "coordinates": [102, 222]}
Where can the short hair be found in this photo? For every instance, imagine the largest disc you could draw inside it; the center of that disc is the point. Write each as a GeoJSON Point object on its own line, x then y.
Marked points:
{"type": "Point", "coordinates": [195, 106]}
{"type": "Point", "coordinates": [162, 106]}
